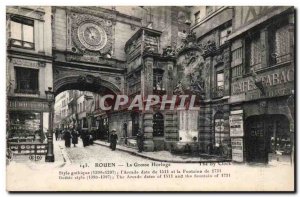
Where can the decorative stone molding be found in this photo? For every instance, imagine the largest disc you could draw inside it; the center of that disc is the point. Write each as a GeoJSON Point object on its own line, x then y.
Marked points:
{"type": "Point", "coordinates": [219, 59]}
{"type": "Point", "coordinates": [89, 79]}
{"type": "Point", "coordinates": [168, 52]}
{"type": "Point", "coordinates": [37, 14]}
{"type": "Point", "coordinates": [26, 63]}
{"type": "Point", "coordinates": [209, 47]}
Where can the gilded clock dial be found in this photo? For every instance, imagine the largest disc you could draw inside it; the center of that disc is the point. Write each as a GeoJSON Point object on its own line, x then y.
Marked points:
{"type": "Point", "coordinates": [92, 36]}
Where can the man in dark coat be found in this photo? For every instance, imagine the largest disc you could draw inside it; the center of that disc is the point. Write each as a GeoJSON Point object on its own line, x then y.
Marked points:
{"type": "Point", "coordinates": [140, 141]}
{"type": "Point", "coordinates": [56, 134]}
{"type": "Point", "coordinates": [67, 137]}
{"type": "Point", "coordinates": [84, 137]}
{"type": "Point", "coordinates": [113, 140]}
{"type": "Point", "coordinates": [75, 135]}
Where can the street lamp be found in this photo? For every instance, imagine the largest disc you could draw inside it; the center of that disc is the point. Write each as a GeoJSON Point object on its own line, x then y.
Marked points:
{"type": "Point", "coordinates": [50, 153]}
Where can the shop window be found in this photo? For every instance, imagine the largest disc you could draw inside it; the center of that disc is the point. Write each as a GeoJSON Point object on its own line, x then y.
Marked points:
{"type": "Point", "coordinates": [158, 80]}
{"type": "Point", "coordinates": [268, 138]}
{"type": "Point", "coordinates": [224, 35]}
{"type": "Point", "coordinates": [22, 32]}
{"type": "Point", "coordinates": [94, 122]}
{"type": "Point", "coordinates": [135, 123]}
{"type": "Point", "coordinates": [84, 123]}
{"type": "Point", "coordinates": [280, 43]}
{"type": "Point", "coordinates": [24, 126]}
{"type": "Point", "coordinates": [158, 125]}
{"type": "Point", "coordinates": [27, 80]}
{"type": "Point", "coordinates": [253, 48]}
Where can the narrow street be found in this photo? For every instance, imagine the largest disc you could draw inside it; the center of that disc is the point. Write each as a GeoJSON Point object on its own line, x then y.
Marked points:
{"type": "Point", "coordinates": [96, 153]}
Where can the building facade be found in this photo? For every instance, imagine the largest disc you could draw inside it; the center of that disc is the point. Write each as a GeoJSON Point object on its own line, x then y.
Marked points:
{"type": "Point", "coordinates": [237, 61]}
{"type": "Point", "coordinates": [262, 83]}
{"type": "Point", "coordinates": [29, 72]}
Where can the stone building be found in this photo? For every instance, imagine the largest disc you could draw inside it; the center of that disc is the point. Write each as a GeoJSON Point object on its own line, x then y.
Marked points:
{"type": "Point", "coordinates": [262, 84]}
{"type": "Point", "coordinates": [237, 61]}
{"type": "Point", "coordinates": [29, 71]}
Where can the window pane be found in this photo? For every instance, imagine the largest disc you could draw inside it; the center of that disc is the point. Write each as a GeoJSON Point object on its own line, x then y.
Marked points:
{"type": "Point", "coordinates": [28, 33]}
{"type": "Point", "coordinates": [27, 79]}
{"type": "Point", "coordinates": [255, 50]}
{"type": "Point", "coordinates": [16, 30]}
{"type": "Point", "coordinates": [220, 77]}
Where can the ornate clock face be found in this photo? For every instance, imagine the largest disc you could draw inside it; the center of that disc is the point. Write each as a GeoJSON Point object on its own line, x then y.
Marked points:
{"type": "Point", "coordinates": [92, 36]}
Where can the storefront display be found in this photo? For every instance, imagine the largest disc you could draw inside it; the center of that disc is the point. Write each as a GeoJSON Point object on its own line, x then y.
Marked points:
{"type": "Point", "coordinates": [25, 127]}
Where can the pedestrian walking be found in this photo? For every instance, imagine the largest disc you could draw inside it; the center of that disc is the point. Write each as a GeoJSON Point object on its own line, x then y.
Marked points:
{"type": "Point", "coordinates": [75, 135]}
{"type": "Point", "coordinates": [113, 140]}
{"type": "Point", "coordinates": [61, 134]}
{"type": "Point", "coordinates": [140, 140]}
{"type": "Point", "coordinates": [56, 134]}
{"type": "Point", "coordinates": [85, 138]}
{"type": "Point", "coordinates": [90, 138]}
{"type": "Point", "coordinates": [67, 138]}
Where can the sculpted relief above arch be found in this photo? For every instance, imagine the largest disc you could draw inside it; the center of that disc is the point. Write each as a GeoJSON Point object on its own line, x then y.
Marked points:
{"type": "Point", "coordinates": [190, 69]}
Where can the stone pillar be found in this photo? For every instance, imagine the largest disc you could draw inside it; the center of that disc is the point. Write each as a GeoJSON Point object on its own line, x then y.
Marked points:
{"type": "Point", "coordinates": [148, 131]}
{"type": "Point", "coordinates": [147, 89]}
{"type": "Point", "coordinates": [207, 76]}
{"type": "Point", "coordinates": [206, 136]}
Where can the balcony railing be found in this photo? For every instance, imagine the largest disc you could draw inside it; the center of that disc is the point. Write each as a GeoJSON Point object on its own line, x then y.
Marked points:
{"type": "Point", "coordinates": [218, 92]}
{"type": "Point", "coordinates": [21, 44]}
{"type": "Point", "coordinates": [281, 58]}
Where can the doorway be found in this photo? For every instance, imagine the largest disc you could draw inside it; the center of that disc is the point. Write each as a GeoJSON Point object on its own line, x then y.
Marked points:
{"type": "Point", "coordinates": [266, 136]}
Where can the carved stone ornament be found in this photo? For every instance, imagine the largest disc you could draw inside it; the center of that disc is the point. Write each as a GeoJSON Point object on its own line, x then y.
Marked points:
{"type": "Point", "coordinates": [209, 46]}
{"type": "Point", "coordinates": [219, 58]}
{"type": "Point", "coordinates": [91, 35]}
{"type": "Point", "coordinates": [168, 52]}
{"type": "Point", "coordinates": [178, 90]}
{"type": "Point", "coordinates": [190, 41]}
{"type": "Point", "coordinates": [89, 79]}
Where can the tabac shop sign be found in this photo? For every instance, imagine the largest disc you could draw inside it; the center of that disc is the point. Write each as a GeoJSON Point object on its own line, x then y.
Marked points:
{"type": "Point", "coordinates": [271, 81]}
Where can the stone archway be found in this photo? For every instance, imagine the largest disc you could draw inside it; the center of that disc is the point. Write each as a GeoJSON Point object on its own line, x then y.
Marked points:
{"type": "Point", "coordinates": [85, 82]}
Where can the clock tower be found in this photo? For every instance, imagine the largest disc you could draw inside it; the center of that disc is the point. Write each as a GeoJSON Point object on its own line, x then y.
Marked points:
{"type": "Point", "coordinates": [90, 35]}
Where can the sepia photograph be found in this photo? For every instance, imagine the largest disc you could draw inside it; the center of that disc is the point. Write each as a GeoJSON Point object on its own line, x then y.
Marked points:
{"type": "Point", "coordinates": [150, 98]}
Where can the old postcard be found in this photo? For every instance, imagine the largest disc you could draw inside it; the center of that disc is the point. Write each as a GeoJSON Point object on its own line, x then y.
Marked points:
{"type": "Point", "coordinates": [150, 98]}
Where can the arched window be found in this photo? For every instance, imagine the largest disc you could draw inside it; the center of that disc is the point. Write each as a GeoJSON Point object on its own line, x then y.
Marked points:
{"type": "Point", "coordinates": [158, 125]}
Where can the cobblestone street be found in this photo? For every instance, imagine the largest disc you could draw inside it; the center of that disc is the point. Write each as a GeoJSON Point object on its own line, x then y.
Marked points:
{"type": "Point", "coordinates": [96, 153]}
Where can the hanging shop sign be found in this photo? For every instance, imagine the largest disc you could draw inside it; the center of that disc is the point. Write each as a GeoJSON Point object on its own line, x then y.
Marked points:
{"type": "Point", "coordinates": [236, 124]}
{"type": "Point", "coordinates": [237, 149]}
